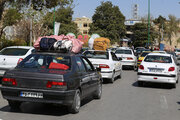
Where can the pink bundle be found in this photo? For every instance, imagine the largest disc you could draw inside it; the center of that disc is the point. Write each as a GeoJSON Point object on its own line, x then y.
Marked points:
{"type": "Point", "coordinates": [77, 44]}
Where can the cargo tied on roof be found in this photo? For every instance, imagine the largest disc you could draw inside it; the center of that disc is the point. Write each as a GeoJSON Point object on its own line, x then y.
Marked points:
{"type": "Point", "coordinates": [101, 43]}
{"type": "Point", "coordinates": [60, 43]}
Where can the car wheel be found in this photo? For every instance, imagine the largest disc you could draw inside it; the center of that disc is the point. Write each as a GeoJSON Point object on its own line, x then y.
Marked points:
{"type": "Point", "coordinates": [113, 77]}
{"type": "Point", "coordinates": [74, 108]}
{"type": "Point", "coordinates": [14, 104]}
{"type": "Point", "coordinates": [140, 83]}
{"type": "Point", "coordinates": [119, 76]}
{"type": "Point", "coordinates": [98, 92]}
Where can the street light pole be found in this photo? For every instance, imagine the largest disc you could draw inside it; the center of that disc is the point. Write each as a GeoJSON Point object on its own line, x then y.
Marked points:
{"type": "Point", "coordinates": [54, 22]}
{"type": "Point", "coordinates": [148, 22]}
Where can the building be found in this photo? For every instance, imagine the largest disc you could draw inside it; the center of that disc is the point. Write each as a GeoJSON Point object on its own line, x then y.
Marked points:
{"type": "Point", "coordinates": [83, 25]}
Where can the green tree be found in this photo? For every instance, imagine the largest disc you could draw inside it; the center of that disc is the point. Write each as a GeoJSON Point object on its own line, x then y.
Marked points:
{"type": "Point", "coordinates": [140, 37]}
{"type": "Point", "coordinates": [108, 21]}
{"type": "Point", "coordinates": [64, 16]}
{"type": "Point", "coordinates": [172, 27]}
{"type": "Point", "coordinates": [11, 17]}
{"type": "Point", "coordinates": [161, 23]}
{"type": "Point", "coordinates": [34, 4]}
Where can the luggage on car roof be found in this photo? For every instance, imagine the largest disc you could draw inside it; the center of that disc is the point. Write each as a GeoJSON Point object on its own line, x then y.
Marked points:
{"type": "Point", "coordinates": [62, 44]}
{"type": "Point", "coordinates": [47, 43]}
{"type": "Point", "coordinates": [101, 43]}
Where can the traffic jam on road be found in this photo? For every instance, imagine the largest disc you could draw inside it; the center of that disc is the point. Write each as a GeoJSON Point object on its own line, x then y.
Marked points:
{"type": "Point", "coordinates": [53, 73]}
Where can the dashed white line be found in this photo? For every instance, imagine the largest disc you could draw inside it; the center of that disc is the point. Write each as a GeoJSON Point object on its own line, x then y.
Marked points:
{"type": "Point", "coordinates": [163, 102]}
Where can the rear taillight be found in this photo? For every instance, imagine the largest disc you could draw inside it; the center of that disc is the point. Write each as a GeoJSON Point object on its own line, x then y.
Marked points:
{"type": "Point", "coordinates": [20, 59]}
{"type": "Point", "coordinates": [10, 81]}
{"type": "Point", "coordinates": [53, 83]}
{"type": "Point", "coordinates": [129, 58]}
{"type": "Point", "coordinates": [139, 60]}
{"type": "Point", "coordinates": [141, 67]}
{"type": "Point", "coordinates": [171, 69]}
{"type": "Point", "coordinates": [103, 66]}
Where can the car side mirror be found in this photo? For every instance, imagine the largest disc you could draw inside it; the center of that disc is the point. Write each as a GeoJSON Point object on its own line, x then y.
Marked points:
{"type": "Point", "coordinates": [120, 59]}
{"type": "Point", "coordinates": [98, 69]}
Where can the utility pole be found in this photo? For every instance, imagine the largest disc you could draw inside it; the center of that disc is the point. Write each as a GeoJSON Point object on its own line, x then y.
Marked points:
{"type": "Point", "coordinates": [148, 22]}
{"type": "Point", "coordinates": [54, 21]}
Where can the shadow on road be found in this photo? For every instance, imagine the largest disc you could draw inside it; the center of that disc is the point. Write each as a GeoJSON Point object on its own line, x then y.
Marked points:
{"type": "Point", "coordinates": [153, 85]}
{"type": "Point", "coordinates": [43, 109]}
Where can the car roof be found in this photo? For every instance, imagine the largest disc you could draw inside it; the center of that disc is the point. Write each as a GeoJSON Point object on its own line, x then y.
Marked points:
{"type": "Point", "coordinates": [124, 48]}
{"type": "Point", "coordinates": [25, 47]}
{"type": "Point", "coordinates": [56, 53]}
{"type": "Point", "coordinates": [161, 54]}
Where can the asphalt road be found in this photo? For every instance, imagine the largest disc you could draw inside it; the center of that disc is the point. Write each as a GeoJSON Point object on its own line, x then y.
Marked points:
{"type": "Point", "coordinates": [123, 100]}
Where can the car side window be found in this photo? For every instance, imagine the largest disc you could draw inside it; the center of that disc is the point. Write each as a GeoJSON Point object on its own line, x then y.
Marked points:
{"type": "Point", "coordinates": [80, 65]}
{"type": "Point", "coordinates": [114, 57]}
{"type": "Point", "coordinates": [88, 65]}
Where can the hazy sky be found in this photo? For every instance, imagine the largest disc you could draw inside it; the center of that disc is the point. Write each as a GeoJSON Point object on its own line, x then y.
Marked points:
{"type": "Point", "coordinates": [158, 7]}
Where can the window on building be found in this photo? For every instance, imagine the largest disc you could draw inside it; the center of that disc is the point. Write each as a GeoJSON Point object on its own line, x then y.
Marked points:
{"type": "Point", "coordinates": [85, 25]}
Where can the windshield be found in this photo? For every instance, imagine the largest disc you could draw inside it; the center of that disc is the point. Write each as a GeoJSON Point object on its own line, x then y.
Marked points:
{"type": "Point", "coordinates": [97, 54]}
{"type": "Point", "coordinates": [123, 52]}
{"type": "Point", "coordinates": [14, 51]}
{"type": "Point", "coordinates": [144, 54]}
{"type": "Point", "coordinates": [46, 62]}
{"type": "Point", "coordinates": [158, 59]}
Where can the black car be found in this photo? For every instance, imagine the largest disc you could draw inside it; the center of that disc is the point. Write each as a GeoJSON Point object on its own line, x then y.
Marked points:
{"type": "Point", "coordinates": [48, 77]}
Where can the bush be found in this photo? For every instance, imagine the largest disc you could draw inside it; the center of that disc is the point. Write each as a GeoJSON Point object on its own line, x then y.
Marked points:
{"type": "Point", "coordinates": [16, 42]}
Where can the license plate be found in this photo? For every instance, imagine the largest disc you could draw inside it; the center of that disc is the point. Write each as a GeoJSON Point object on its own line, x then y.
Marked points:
{"type": "Point", "coordinates": [155, 70]}
{"type": "Point", "coordinates": [31, 94]}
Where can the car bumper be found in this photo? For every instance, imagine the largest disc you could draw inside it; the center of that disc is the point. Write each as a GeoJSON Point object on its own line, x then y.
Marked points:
{"type": "Point", "coordinates": [128, 63]}
{"type": "Point", "coordinates": [49, 96]}
{"type": "Point", "coordinates": [107, 74]}
{"type": "Point", "coordinates": [157, 78]}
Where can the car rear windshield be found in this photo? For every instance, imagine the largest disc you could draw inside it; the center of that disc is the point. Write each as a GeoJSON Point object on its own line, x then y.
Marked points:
{"type": "Point", "coordinates": [14, 51]}
{"type": "Point", "coordinates": [96, 54]}
{"type": "Point", "coordinates": [39, 61]}
{"type": "Point", "coordinates": [158, 59]}
{"type": "Point", "coordinates": [123, 52]}
{"type": "Point", "coordinates": [144, 54]}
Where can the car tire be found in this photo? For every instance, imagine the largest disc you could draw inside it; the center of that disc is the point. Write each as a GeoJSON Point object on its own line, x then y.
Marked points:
{"type": "Point", "coordinates": [75, 107]}
{"type": "Point", "coordinates": [140, 83]}
{"type": "Point", "coordinates": [113, 78]}
{"type": "Point", "coordinates": [14, 105]}
{"type": "Point", "coordinates": [98, 92]}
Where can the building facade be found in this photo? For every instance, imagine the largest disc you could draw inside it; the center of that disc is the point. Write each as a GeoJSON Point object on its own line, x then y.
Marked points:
{"type": "Point", "coordinates": [83, 25]}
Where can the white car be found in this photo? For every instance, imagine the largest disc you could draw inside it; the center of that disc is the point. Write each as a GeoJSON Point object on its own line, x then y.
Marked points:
{"type": "Point", "coordinates": [11, 56]}
{"type": "Point", "coordinates": [108, 62]}
{"type": "Point", "coordinates": [158, 68]}
{"type": "Point", "coordinates": [128, 57]}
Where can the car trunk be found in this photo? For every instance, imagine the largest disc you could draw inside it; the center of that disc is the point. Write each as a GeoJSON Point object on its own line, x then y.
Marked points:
{"type": "Point", "coordinates": [37, 79]}
{"type": "Point", "coordinates": [158, 68]}
{"type": "Point", "coordinates": [125, 56]}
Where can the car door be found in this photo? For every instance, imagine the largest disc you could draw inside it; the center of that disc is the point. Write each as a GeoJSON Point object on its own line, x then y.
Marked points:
{"type": "Point", "coordinates": [84, 76]}
{"type": "Point", "coordinates": [117, 64]}
{"type": "Point", "coordinates": [94, 76]}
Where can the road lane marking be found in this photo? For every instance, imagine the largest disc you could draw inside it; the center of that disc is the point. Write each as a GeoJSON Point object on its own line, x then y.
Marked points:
{"type": "Point", "coordinates": [163, 102]}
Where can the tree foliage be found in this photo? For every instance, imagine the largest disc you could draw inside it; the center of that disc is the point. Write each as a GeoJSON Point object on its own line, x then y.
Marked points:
{"type": "Point", "coordinates": [172, 27]}
{"type": "Point", "coordinates": [161, 24]}
{"type": "Point", "coordinates": [108, 21]}
{"type": "Point", "coordinates": [140, 37]}
{"type": "Point", "coordinates": [64, 16]}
